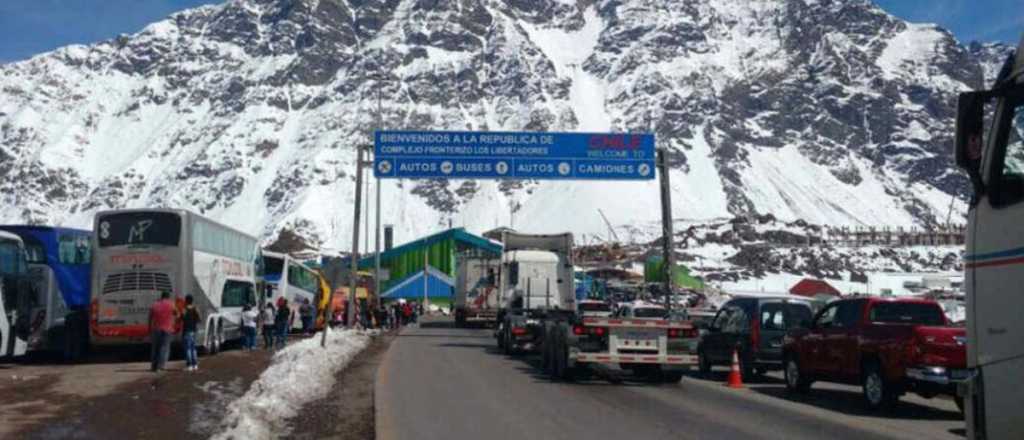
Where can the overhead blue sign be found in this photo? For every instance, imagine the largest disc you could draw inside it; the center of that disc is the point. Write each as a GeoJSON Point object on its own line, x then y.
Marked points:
{"type": "Point", "coordinates": [512, 155]}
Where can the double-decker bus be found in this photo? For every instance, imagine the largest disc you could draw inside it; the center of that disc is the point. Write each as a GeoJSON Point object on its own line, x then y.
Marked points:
{"type": "Point", "coordinates": [59, 266]}
{"type": "Point", "coordinates": [140, 253]}
{"type": "Point", "coordinates": [288, 278]}
{"type": "Point", "coordinates": [14, 296]}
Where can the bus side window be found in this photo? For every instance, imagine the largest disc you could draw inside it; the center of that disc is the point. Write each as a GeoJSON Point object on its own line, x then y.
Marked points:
{"type": "Point", "coordinates": [1008, 183]}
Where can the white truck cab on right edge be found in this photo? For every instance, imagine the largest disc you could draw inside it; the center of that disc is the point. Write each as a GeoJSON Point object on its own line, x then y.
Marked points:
{"type": "Point", "coordinates": [990, 147]}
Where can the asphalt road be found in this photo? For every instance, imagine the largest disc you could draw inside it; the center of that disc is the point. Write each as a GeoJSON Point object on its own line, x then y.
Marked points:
{"type": "Point", "coordinates": [439, 382]}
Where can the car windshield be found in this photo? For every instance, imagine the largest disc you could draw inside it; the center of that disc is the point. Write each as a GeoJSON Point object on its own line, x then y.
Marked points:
{"type": "Point", "coordinates": [649, 312]}
{"type": "Point", "coordinates": [907, 313]}
{"type": "Point", "coordinates": [12, 260]}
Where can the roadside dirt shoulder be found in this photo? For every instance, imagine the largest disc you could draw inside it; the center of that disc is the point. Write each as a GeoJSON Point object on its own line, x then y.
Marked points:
{"type": "Point", "coordinates": [346, 413]}
{"type": "Point", "coordinates": [126, 400]}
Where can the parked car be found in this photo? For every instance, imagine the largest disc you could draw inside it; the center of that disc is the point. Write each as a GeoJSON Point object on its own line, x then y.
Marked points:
{"type": "Point", "coordinates": [754, 327]}
{"type": "Point", "coordinates": [888, 346]}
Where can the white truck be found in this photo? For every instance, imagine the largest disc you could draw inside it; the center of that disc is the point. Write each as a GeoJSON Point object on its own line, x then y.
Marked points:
{"type": "Point", "coordinates": [539, 313]}
{"type": "Point", "coordinates": [476, 291]}
{"type": "Point", "coordinates": [992, 153]}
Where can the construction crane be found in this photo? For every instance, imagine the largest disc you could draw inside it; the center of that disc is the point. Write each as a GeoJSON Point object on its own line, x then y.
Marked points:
{"type": "Point", "coordinates": [611, 230]}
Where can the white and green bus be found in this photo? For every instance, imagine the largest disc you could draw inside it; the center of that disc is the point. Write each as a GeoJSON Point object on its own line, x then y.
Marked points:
{"type": "Point", "coordinates": [140, 253]}
{"type": "Point", "coordinates": [288, 278]}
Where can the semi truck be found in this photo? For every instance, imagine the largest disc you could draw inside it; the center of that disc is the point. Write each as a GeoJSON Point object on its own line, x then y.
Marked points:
{"type": "Point", "coordinates": [476, 291]}
{"type": "Point", "coordinates": [990, 148]}
{"type": "Point", "coordinates": [539, 313]}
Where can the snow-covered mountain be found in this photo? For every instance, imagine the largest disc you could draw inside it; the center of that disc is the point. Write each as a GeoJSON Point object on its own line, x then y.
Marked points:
{"type": "Point", "coordinates": [832, 112]}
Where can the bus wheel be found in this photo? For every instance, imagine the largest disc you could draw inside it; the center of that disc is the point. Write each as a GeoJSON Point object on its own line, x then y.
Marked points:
{"type": "Point", "coordinates": [212, 344]}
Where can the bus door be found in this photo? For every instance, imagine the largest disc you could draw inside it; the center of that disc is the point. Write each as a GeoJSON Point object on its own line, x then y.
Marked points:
{"type": "Point", "coordinates": [47, 309]}
{"type": "Point", "coordinates": [18, 299]}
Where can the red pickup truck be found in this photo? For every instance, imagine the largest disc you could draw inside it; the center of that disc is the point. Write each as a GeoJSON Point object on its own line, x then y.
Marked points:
{"type": "Point", "coordinates": [888, 346]}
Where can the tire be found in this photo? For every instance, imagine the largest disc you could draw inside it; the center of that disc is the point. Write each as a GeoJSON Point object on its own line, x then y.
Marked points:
{"type": "Point", "coordinates": [878, 393]}
{"type": "Point", "coordinates": [796, 381]}
{"type": "Point", "coordinates": [74, 339]}
{"type": "Point", "coordinates": [212, 341]}
{"type": "Point", "coordinates": [703, 363]}
{"type": "Point", "coordinates": [746, 367]}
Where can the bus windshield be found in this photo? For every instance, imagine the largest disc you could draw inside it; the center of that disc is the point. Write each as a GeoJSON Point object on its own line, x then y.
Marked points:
{"type": "Point", "coordinates": [273, 265]}
{"type": "Point", "coordinates": [138, 228]}
{"type": "Point", "coordinates": [12, 261]}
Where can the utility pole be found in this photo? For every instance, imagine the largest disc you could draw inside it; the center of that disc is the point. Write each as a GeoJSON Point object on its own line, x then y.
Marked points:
{"type": "Point", "coordinates": [350, 312]}
{"type": "Point", "coordinates": [668, 254]}
{"type": "Point", "coordinates": [376, 228]}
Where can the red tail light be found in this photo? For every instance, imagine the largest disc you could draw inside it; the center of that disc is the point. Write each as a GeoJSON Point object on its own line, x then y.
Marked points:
{"type": "Point", "coordinates": [581, 330]}
{"type": "Point", "coordinates": [518, 331]}
{"type": "Point", "coordinates": [913, 350]}
{"type": "Point", "coordinates": [94, 312]}
{"type": "Point", "coordinates": [688, 332]}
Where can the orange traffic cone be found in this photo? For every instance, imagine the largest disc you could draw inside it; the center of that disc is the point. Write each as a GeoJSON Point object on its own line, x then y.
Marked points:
{"type": "Point", "coordinates": [735, 378]}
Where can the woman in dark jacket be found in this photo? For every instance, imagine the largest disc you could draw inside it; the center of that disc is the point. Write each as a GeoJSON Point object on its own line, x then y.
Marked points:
{"type": "Point", "coordinates": [190, 322]}
{"type": "Point", "coordinates": [281, 321]}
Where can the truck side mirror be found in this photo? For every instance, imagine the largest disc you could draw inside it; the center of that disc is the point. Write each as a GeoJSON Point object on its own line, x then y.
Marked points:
{"type": "Point", "coordinates": [970, 127]}
{"type": "Point", "coordinates": [513, 273]}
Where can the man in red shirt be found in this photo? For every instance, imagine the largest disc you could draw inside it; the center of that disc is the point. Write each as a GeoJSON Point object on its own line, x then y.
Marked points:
{"type": "Point", "coordinates": [162, 316]}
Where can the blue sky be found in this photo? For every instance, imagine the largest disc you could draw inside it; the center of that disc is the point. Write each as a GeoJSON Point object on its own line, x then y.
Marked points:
{"type": "Point", "coordinates": [28, 27]}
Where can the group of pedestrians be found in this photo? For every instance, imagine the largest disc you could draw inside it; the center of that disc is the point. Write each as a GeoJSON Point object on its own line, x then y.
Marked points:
{"type": "Point", "coordinates": [273, 321]}
{"type": "Point", "coordinates": [163, 316]}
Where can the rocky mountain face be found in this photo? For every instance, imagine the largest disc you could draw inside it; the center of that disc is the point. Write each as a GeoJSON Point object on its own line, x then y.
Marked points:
{"type": "Point", "coordinates": [830, 112]}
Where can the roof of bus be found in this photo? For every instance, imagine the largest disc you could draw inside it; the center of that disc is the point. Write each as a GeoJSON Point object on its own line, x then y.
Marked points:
{"type": "Point", "coordinates": [41, 228]}
{"type": "Point", "coordinates": [174, 211]}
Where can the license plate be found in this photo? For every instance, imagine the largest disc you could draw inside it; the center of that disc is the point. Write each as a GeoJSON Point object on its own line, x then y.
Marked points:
{"type": "Point", "coordinates": [640, 336]}
{"type": "Point", "coordinates": [958, 374]}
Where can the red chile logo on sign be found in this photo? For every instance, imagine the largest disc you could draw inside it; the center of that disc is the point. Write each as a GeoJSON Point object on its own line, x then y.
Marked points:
{"type": "Point", "coordinates": [137, 259]}
{"type": "Point", "coordinates": [614, 142]}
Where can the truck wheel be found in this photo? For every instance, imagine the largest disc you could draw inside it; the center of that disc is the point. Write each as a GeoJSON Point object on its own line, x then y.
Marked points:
{"type": "Point", "coordinates": [796, 382]}
{"type": "Point", "coordinates": [878, 394]}
{"type": "Point", "coordinates": [74, 343]}
{"type": "Point", "coordinates": [703, 363]}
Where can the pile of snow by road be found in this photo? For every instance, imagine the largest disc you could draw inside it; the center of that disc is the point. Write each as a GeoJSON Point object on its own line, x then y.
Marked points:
{"type": "Point", "coordinates": [301, 373]}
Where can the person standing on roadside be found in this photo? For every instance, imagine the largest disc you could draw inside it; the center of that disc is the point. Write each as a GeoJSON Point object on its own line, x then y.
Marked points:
{"type": "Point", "coordinates": [281, 321]}
{"type": "Point", "coordinates": [267, 319]}
{"type": "Point", "coordinates": [306, 311]}
{"type": "Point", "coordinates": [162, 316]}
{"type": "Point", "coordinates": [249, 317]}
{"type": "Point", "coordinates": [190, 322]}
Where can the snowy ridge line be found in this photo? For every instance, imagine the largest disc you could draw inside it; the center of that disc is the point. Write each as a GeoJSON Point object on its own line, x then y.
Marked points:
{"type": "Point", "coordinates": [301, 373]}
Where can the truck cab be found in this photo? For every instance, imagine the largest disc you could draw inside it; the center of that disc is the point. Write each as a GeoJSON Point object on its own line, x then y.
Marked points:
{"type": "Point", "coordinates": [990, 148]}
{"type": "Point", "coordinates": [536, 282]}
